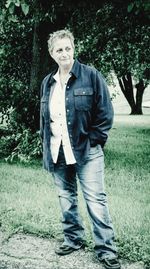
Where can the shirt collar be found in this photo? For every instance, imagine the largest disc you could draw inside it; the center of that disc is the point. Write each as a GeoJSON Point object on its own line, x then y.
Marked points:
{"type": "Point", "coordinates": [56, 76]}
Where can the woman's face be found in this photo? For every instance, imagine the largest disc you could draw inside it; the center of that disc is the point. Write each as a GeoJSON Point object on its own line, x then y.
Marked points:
{"type": "Point", "coordinates": [63, 53]}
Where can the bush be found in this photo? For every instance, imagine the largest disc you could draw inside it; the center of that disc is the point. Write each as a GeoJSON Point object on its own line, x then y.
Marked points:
{"type": "Point", "coordinates": [21, 145]}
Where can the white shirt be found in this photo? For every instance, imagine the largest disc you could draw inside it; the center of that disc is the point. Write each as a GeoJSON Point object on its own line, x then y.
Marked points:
{"type": "Point", "coordinates": [58, 123]}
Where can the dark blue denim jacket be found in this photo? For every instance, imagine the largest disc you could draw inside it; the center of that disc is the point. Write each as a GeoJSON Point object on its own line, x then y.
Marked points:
{"type": "Point", "coordinates": [89, 112]}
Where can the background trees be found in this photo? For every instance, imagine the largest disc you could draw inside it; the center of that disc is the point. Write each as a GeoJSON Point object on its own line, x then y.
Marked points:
{"type": "Point", "coordinates": [118, 40]}
{"type": "Point", "coordinates": [111, 35]}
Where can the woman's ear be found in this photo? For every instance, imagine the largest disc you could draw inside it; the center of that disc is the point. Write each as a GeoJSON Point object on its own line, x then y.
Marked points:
{"type": "Point", "coordinates": [50, 53]}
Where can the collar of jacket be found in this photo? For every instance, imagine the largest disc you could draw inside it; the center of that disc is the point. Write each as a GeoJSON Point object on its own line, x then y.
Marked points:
{"type": "Point", "coordinates": [74, 71]}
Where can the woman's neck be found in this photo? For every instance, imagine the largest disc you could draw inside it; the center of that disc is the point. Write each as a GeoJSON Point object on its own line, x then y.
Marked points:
{"type": "Point", "coordinates": [65, 70]}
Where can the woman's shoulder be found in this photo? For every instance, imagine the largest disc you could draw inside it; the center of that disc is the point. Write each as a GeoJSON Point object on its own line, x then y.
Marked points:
{"type": "Point", "coordinates": [48, 77]}
{"type": "Point", "coordinates": [89, 67]}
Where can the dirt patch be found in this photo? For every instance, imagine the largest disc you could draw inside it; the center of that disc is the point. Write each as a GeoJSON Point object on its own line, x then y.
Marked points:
{"type": "Point", "coordinates": [29, 252]}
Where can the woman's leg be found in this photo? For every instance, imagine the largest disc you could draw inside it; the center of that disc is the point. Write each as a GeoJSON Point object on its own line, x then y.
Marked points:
{"type": "Point", "coordinates": [65, 180]}
{"type": "Point", "coordinates": [91, 176]}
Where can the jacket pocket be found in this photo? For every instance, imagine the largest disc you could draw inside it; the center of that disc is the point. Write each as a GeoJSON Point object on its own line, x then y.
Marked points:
{"type": "Point", "coordinates": [83, 98]}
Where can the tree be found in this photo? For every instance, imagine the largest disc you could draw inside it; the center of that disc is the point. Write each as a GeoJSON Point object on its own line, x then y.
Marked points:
{"type": "Point", "coordinates": [135, 49]}
{"type": "Point", "coordinates": [109, 34]}
{"type": "Point", "coordinates": [40, 18]}
{"type": "Point", "coordinates": [15, 58]}
{"type": "Point", "coordinates": [114, 39]}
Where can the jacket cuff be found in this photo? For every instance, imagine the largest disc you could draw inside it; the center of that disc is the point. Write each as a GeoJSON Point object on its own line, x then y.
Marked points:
{"type": "Point", "coordinates": [94, 143]}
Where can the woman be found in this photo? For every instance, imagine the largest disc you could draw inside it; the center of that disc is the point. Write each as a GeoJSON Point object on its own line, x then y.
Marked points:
{"type": "Point", "coordinates": [76, 115]}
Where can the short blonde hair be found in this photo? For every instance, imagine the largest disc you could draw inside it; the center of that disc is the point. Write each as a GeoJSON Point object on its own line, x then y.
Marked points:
{"type": "Point", "coordinates": [59, 35]}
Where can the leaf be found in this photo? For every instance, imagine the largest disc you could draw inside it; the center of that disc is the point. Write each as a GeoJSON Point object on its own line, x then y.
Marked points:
{"type": "Point", "coordinates": [11, 8]}
{"type": "Point", "coordinates": [14, 19]}
{"type": "Point", "coordinates": [17, 3]}
{"type": "Point", "coordinates": [25, 8]}
{"type": "Point", "coordinates": [130, 7]}
{"type": "Point", "coordinates": [8, 3]}
{"type": "Point", "coordinates": [138, 4]}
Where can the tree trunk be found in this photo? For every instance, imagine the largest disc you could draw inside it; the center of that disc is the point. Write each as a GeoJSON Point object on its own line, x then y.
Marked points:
{"type": "Point", "coordinates": [35, 67]}
{"type": "Point", "coordinates": [33, 108]}
{"type": "Point", "coordinates": [35, 79]}
{"type": "Point", "coordinates": [42, 63]}
{"type": "Point", "coordinates": [140, 87]}
{"type": "Point", "coordinates": [126, 86]}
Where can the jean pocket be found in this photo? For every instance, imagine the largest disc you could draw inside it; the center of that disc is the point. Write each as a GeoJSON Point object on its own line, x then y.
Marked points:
{"type": "Point", "coordinates": [95, 152]}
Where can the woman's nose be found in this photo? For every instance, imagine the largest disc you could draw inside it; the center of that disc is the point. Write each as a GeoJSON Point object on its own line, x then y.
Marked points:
{"type": "Point", "coordinates": [64, 53]}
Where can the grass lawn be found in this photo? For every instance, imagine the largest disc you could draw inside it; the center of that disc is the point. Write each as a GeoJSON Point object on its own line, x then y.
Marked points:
{"type": "Point", "coordinates": [29, 202]}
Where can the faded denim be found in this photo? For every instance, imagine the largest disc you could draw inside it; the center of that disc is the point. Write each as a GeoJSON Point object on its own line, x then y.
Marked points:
{"type": "Point", "coordinates": [91, 177]}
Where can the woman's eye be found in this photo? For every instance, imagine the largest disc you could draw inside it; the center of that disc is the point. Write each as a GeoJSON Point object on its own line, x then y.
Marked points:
{"type": "Point", "coordinates": [59, 51]}
{"type": "Point", "coordinates": [67, 49]}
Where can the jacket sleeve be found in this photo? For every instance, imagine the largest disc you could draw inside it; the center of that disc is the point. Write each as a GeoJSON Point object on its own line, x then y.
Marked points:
{"type": "Point", "coordinates": [102, 116]}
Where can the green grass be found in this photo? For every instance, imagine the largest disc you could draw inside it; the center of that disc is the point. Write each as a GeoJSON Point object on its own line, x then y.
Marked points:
{"type": "Point", "coordinates": [29, 201]}
{"type": "Point", "coordinates": [127, 181]}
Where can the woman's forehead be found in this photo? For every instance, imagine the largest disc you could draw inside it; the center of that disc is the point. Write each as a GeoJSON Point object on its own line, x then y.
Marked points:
{"type": "Point", "coordinates": [61, 42]}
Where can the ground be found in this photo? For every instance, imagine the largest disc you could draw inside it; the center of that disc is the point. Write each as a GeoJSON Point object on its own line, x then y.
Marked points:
{"type": "Point", "coordinates": [30, 252]}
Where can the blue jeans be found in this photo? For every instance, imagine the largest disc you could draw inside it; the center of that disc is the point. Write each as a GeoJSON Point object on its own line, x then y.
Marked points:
{"type": "Point", "coordinates": [91, 177]}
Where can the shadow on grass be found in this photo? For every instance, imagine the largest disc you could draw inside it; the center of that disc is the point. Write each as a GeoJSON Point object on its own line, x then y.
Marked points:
{"type": "Point", "coordinates": [34, 163]}
{"type": "Point", "coordinates": [127, 159]}
{"type": "Point", "coordinates": [144, 131]}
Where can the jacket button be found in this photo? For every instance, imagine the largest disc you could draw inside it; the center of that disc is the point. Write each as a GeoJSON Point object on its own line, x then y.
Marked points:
{"type": "Point", "coordinates": [69, 122]}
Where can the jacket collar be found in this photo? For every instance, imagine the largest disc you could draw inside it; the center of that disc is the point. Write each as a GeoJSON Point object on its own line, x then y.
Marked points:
{"type": "Point", "coordinates": [51, 79]}
{"type": "Point", "coordinates": [75, 68]}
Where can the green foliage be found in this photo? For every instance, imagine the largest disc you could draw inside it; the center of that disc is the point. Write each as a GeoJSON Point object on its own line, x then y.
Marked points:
{"type": "Point", "coordinates": [15, 58]}
{"type": "Point", "coordinates": [7, 144]}
{"type": "Point", "coordinates": [11, 4]}
{"type": "Point", "coordinates": [138, 6]}
{"type": "Point", "coordinates": [22, 146]}
{"type": "Point", "coordinates": [109, 35]}
{"type": "Point", "coordinates": [111, 38]}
